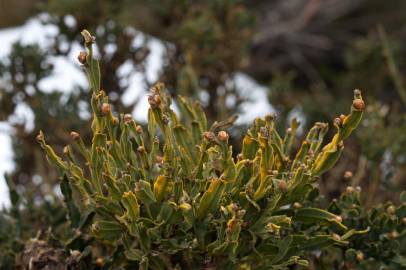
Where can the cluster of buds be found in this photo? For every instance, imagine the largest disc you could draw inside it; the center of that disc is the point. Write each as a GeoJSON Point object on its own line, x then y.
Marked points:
{"type": "Point", "coordinates": [179, 180]}
{"type": "Point", "coordinates": [154, 100]}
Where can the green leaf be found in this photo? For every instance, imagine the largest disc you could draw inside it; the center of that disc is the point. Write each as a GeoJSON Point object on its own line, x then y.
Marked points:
{"type": "Point", "coordinates": [73, 211]}
{"type": "Point", "coordinates": [315, 215]}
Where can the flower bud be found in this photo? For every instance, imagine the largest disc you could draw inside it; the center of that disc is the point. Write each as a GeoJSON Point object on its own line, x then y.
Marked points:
{"type": "Point", "coordinates": [74, 135]}
{"type": "Point", "coordinates": [336, 237]}
{"type": "Point", "coordinates": [66, 150]}
{"type": "Point", "coordinates": [342, 117]}
{"type": "Point", "coordinates": [159, 159]}
{"type": "Point", "coordinates": [100, 262]}
{"type": "Point", "coordinates": [404, 220]}
{"type": "Point", "coordinates": [154, 101]}
{"type": "Point", "coordinates": [223, 136]}
{"type": "Point", "coordinates": [339, 219]}
{"type": "Point", "coordinates": [347, 175]}
{"type": "Point", "coordinates": [127, 118]}
{"type": "Point", "coordinates": [141, 149]}
{"type": "Point", "coordinates": [350, 189]}
{"type": "Point", "coordinates": [82, 57]}
{"type": "Point", "coordinates": [391, 210]}
{"type": "Point", "coordinates": [89, 39]}
{"type": "Point", "coordinates": [270, 117]}
{"type": "Point", "coordinates": [392, 235]}
{"type": "Point", "coordinates": [282, 185]}
{"type": "Point", "coordinates": [77, 232]}
{"type": "Point", "coordinates": [241, 213]}
{"type": "Point", "coordinates": [338, 122]}
{"type": "Point", "coordinates": [40, 136]}
{"type": "Point", "coordinates": [358, 104]}
{"type": "Point", "coordinates": [138, 129]}
{"type": "Point", "coordinates": [105, 108]}
{"type": "Point", "coordinates": [360, 256]}
{"type": "Point", "coordinates": [208, 135]}
{"type": "Point", "coordinates": [297, 205]}
{"type": "Point", "coordinates": [233, 207]}
{"type": "Point", "coordinates": [75, 253]}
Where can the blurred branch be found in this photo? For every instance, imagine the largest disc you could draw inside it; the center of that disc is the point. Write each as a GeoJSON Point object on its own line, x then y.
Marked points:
{"type": "Point", "coordinates": [390, 61]}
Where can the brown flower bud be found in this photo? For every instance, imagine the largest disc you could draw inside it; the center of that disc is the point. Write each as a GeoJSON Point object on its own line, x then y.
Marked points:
{"type": "Point", "coordinates": [66, 150]}
{"type": "Point", "coordinates": [223, 136]}
{"type": "Point", "coordinates": [127, 118]}
{"type": "Point", "coordinates": [138, 129]}
{"type": "Point", "coordinates": [77, 232]}
{"type": "Point", "coordinates": [239, 157]}
{"type": "Point", "coordinates": [234, 207]}
{"type": "Point", "coordinates": [270, 117]}
{"type": "Point", "coordinates": [358, 104]}
{"type": "Point", "coordinates": [141, 149]}
{"type": "Point", "coordinates": [339, 219]}
{"type": "Point", "coordinates": [74, 135]}
{"type": "Point", "coordinates": [208, 135]}
{"type": "Point", "coordinates": [347, 175]}
{"type": "Point", "coordinates": [105, 108]}
{"type": "Point", "coordinates": [282, 185]}
{"type": "Point", "coordinates": [40, 136]}
{"type": "Point", "coordinates": [391, 210]}
{"type": "Point", "coordinates": [75, 253]}
{"type": "Point", "coordinates": [159, 159]}
{"type": "Point", "coordinates": [350, 189]}
{"type": "Point", "coordinates": [336, 237]}
{"type": "Point", "coordinates": [241, 213]}
{"type": "Point", "coordinates": [393, 235]}
{"type": "Point", "coordinates": [99, 262]}
{"type": "Point", "coordinates": [360, 256]}
{"type": "Point", "coordinates": [342, 117]}
{"type": "Point", "coordinates": [404, 220]}
{"type": "Point", "coordinates": [338, 122]}
{"type": "Point", "coordinates": [297, 205]}
{"type": "Point", "coordinates": [82, 57]}
{"type": "Point", "coordinates": [154, 101]}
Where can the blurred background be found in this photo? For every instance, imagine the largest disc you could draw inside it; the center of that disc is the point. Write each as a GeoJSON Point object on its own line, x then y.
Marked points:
{"type": "Point", "coordinates": [294, 58]}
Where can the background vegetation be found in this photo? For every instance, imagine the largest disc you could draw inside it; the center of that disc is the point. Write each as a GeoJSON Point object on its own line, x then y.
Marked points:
{"type": "Point", "coordinates": [309, 54]}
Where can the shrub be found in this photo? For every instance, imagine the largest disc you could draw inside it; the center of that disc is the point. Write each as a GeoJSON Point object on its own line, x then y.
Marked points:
{"type": "Point", "coordinates": [176, 196]}
{"type": "Point", "coordinates": [384, 244]}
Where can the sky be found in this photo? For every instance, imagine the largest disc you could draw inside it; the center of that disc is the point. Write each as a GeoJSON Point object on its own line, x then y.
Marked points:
{"type": "Point", "coordinates": [67, 75]}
